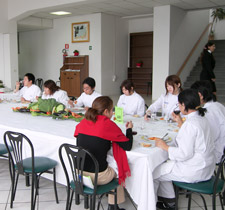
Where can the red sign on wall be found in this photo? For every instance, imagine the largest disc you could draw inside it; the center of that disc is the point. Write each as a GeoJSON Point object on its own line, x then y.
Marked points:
{"type": "Point", "coordinates": [66, 46]}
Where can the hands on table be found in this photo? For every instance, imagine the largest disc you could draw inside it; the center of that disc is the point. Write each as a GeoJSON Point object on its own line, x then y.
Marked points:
{"type": "Point", "coordinates": [161, 144]}
{"type": "Point", "coordinates": [129, 125]}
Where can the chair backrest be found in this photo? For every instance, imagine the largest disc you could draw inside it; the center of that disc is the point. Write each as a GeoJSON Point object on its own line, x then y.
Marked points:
{"type": "Point", "coordinates": [15, 143]}
{"type": "Point", "coordinates": [75, 156]}
{"type": "Point", "coordinates": [39, 82]}
{"type": "Point", "coordinates": [219, 173]}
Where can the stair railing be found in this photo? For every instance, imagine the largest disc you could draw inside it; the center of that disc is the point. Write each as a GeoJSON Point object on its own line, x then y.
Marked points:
{"type": "Point", "coordinates": [193, 49]}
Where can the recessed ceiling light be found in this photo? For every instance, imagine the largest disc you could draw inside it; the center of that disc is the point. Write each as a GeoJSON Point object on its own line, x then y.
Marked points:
{"type": "Point", "coordinates": [60, 13]}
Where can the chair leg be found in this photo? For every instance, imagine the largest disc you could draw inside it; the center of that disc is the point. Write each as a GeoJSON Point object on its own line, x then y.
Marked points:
{"type": "Point", "coordinates": [77, 199]}
{"type": "Point", "coordinates": [189, 201]}
{"type": "Point", "coordinates": [27, 180]}
{"type": "Point", "coordinates": [99, 201]}
{"type": "Point", "coordinates": [33, 194]}
{"type": "Point", "coordinates": [221, 201]}
{"type": "Point", "coordinates": [55, 188]}
{"type": "Point", "coordinates": [203, 199]}
{"type": "Point", "coordinates": [176, 197]}
{"type": "Point", "coordinates": [115, 199]}
{"type": "Point", "coordinates": [14, 186]}
{"type": "Point", "coordinates": [71, 199]}
{"type": "Point", "coordinates": [86, 203]}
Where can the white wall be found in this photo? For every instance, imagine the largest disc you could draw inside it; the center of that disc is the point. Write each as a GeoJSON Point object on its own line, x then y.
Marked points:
{"type": "Point", "coordinates": [41, 51]}
{"type": "Point", "coordinates": [175, 34]}
{"type": "Point", "coordinates": [8, 47]}
{"type": "Point", "coordinates": [140, 25]}
{"type": "Point", "coordinates": [114, 53]}
{"type": "Point", "coordinates": [161, 49]}
{"type": "Point", "coordinates": [185, 29]}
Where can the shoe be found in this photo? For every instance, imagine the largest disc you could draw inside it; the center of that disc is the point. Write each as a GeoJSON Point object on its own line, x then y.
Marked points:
{"type": "Point", "coordinates": [111, 207]}
{"type": "Point", "coordinates": [163, 206]}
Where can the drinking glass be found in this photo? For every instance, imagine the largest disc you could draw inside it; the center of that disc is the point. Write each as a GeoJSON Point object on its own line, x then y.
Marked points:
{"type": "Point", "coordinates": [176, 110]}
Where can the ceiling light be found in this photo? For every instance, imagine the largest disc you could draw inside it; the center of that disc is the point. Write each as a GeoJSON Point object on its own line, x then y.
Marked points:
{"type": "Point", "coordinates": [60, 13]}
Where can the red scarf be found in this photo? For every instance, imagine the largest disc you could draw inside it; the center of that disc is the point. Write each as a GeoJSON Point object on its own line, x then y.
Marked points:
{"type": "Point", "coordinates": [106, 129]}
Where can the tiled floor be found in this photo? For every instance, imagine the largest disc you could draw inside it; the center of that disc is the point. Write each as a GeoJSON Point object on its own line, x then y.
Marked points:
{"type": "Point", "coordinates": [46, 198]}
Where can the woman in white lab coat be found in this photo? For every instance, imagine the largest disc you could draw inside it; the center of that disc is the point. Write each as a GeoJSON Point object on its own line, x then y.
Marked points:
{"type": "Point", "coordinates": [192, 158]}
{"type": "Point", "coordinates": [89, 95]}
{"type": "Point", "coordinates": [51, 90]}
{"type": "Point", "coordinates": [215, 115]}
{"type": "Point", "coordinates": [167, 102]}
{"type": "Point", "coordinates": [131, 102]}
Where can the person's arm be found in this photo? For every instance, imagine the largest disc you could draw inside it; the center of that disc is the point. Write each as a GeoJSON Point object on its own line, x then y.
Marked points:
{"type": "Point", "coordinates": [79, 101]}
{"type": "Point", "coordinates": [127, 145]}
{"type": "Point", "coordinates": [17, 87]}
{"type": "Point", "coordinates": [156, 105]}
{"type": "Point", "coordinates": [207, 61]}
{"type": "Point", "coordinates": [141, 108]}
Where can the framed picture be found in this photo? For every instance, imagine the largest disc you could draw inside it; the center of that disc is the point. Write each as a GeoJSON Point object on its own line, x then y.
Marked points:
{"type": "Point", "coordinates": [80, 32]}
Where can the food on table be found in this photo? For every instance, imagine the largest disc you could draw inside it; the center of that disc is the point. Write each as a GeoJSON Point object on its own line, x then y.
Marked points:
{"type": "Point", "coordinates": [161, 118]}
{"type": "Point", "coordinates": [145, 144]}
{"type": "Point", "coordinates": [136, 115]}
{"type": "Point", "coordinates": [175, 130]}
{"type": "Point", "coordinates": [152, 138]}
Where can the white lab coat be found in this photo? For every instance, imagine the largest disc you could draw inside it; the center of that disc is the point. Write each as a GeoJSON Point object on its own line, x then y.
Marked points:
{"type": "Point", "coordinates": [191, 160]}
{"type": "Point", "coordinates": [29, 93]}
{"type": "Point", "coordinates": [216, 120]}
{"type": "Point", "coordinates": [167, 103]}
{"type": "Point", "coordinates": [132, 105]}
{"type": "Point", "coordinates": [87, 100]}
{"type": "Point", "coordinates": [59, 95]}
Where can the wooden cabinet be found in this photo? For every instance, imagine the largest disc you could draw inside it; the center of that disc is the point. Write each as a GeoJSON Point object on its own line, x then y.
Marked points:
{"type": "Point", "coordinates": [74, 70]}
{"type": "Point", "coordinates": [141, 49]}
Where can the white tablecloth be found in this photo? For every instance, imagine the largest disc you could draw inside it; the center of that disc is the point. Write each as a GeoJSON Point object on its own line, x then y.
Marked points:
{"type": "Point", "coordinates": [48, 134]}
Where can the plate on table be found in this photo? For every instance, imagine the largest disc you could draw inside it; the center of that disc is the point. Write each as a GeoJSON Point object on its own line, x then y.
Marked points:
{"type": "Point", "coordinates": [77, 109]}
{"type": "Point", "coordinates": [146, 145]}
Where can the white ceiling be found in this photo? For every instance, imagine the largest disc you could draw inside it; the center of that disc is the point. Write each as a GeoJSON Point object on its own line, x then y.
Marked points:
{"type": "Point", "coordinates": [122, 8]}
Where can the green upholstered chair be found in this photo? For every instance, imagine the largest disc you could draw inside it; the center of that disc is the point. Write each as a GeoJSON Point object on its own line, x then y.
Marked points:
{"type": "Point", "coordinates": [3, 150]}
{"type": "Point", "coordinates": [212, 187]}
{"type": "Point", "coordinates": [75, 157]}
{"type": "Point", "coordinates": [32, 165]}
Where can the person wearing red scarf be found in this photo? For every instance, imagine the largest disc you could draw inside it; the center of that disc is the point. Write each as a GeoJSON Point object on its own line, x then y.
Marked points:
{"type": "Point", "coordinates": [96, 133]}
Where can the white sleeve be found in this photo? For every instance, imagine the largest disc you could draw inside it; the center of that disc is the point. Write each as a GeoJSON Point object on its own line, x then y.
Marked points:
{"type": "Point", "coordinates": [141, 107]}
{"type": "Point", "coordinates": [157, 104]}
{"type": "Point", "coordinates": [119, 103]}
{"type": "Point", "coordinates": [63, 98]}
{"type": "Point", "coordinates": [185, 143]}
{"type": "Point", "coordinates": [80, 100]}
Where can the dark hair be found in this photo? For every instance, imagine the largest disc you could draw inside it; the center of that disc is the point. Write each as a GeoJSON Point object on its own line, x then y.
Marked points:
{"type": "Point", "coordinates": [127, 84]}
{"type": "Point", "coordinates": [99, 105]}
{"type": "Point", "coordinates": [209, 44]}
{"type": "Point", "coordinates": [173, 80]}
{"type": "Point", "coordinates": [89, 81]}
{"type": "Point", "coordinates": [51, 85]}
{"type": "Point", "coordinates": [191, 100]}
{"type": "Point", "coordinates": [30, 77]}
{"type": "Point", "coordinates": [205, 88]}
{"type": "Point", "coordinates": [206, 48]}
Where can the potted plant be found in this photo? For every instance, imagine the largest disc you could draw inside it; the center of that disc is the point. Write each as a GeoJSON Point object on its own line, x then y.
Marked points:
{"type": "Point", "coordinates": [139, 64]}
{"type": "Point", "coordinates": [217, 14]}
{"type": "Point", "coordinates": [76, 52]}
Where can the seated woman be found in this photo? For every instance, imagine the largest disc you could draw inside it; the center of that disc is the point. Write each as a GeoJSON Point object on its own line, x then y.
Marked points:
{"type": "Point", "coordinates": [30, 91]}
{"type": "Point", "coordinates": [51, 90]}
{"type": "Point", "coordinates": [89, 95]}
{"type": "Point", "coordinates": [131, 102]}
{"type": "Point", "coordinates": [96, 133]}
{"type": "Point", "coordinates": [192, 158]}
{"type": "Point", "coordinates": [167, 102]}
{"type": "Point", "coordinates": [215, 115]}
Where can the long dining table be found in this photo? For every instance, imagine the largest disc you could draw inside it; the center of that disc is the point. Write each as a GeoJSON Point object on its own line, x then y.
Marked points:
{"type": "Point", "coordinates": [48, 134]}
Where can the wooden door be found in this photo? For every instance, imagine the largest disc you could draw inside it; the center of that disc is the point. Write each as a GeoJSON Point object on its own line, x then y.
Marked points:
{"type": "Point", "coordinates": [141, 49]}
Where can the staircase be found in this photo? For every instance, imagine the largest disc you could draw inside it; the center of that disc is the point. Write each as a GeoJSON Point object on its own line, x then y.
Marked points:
{"type": "Point", "coordinates": [219, 55]}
